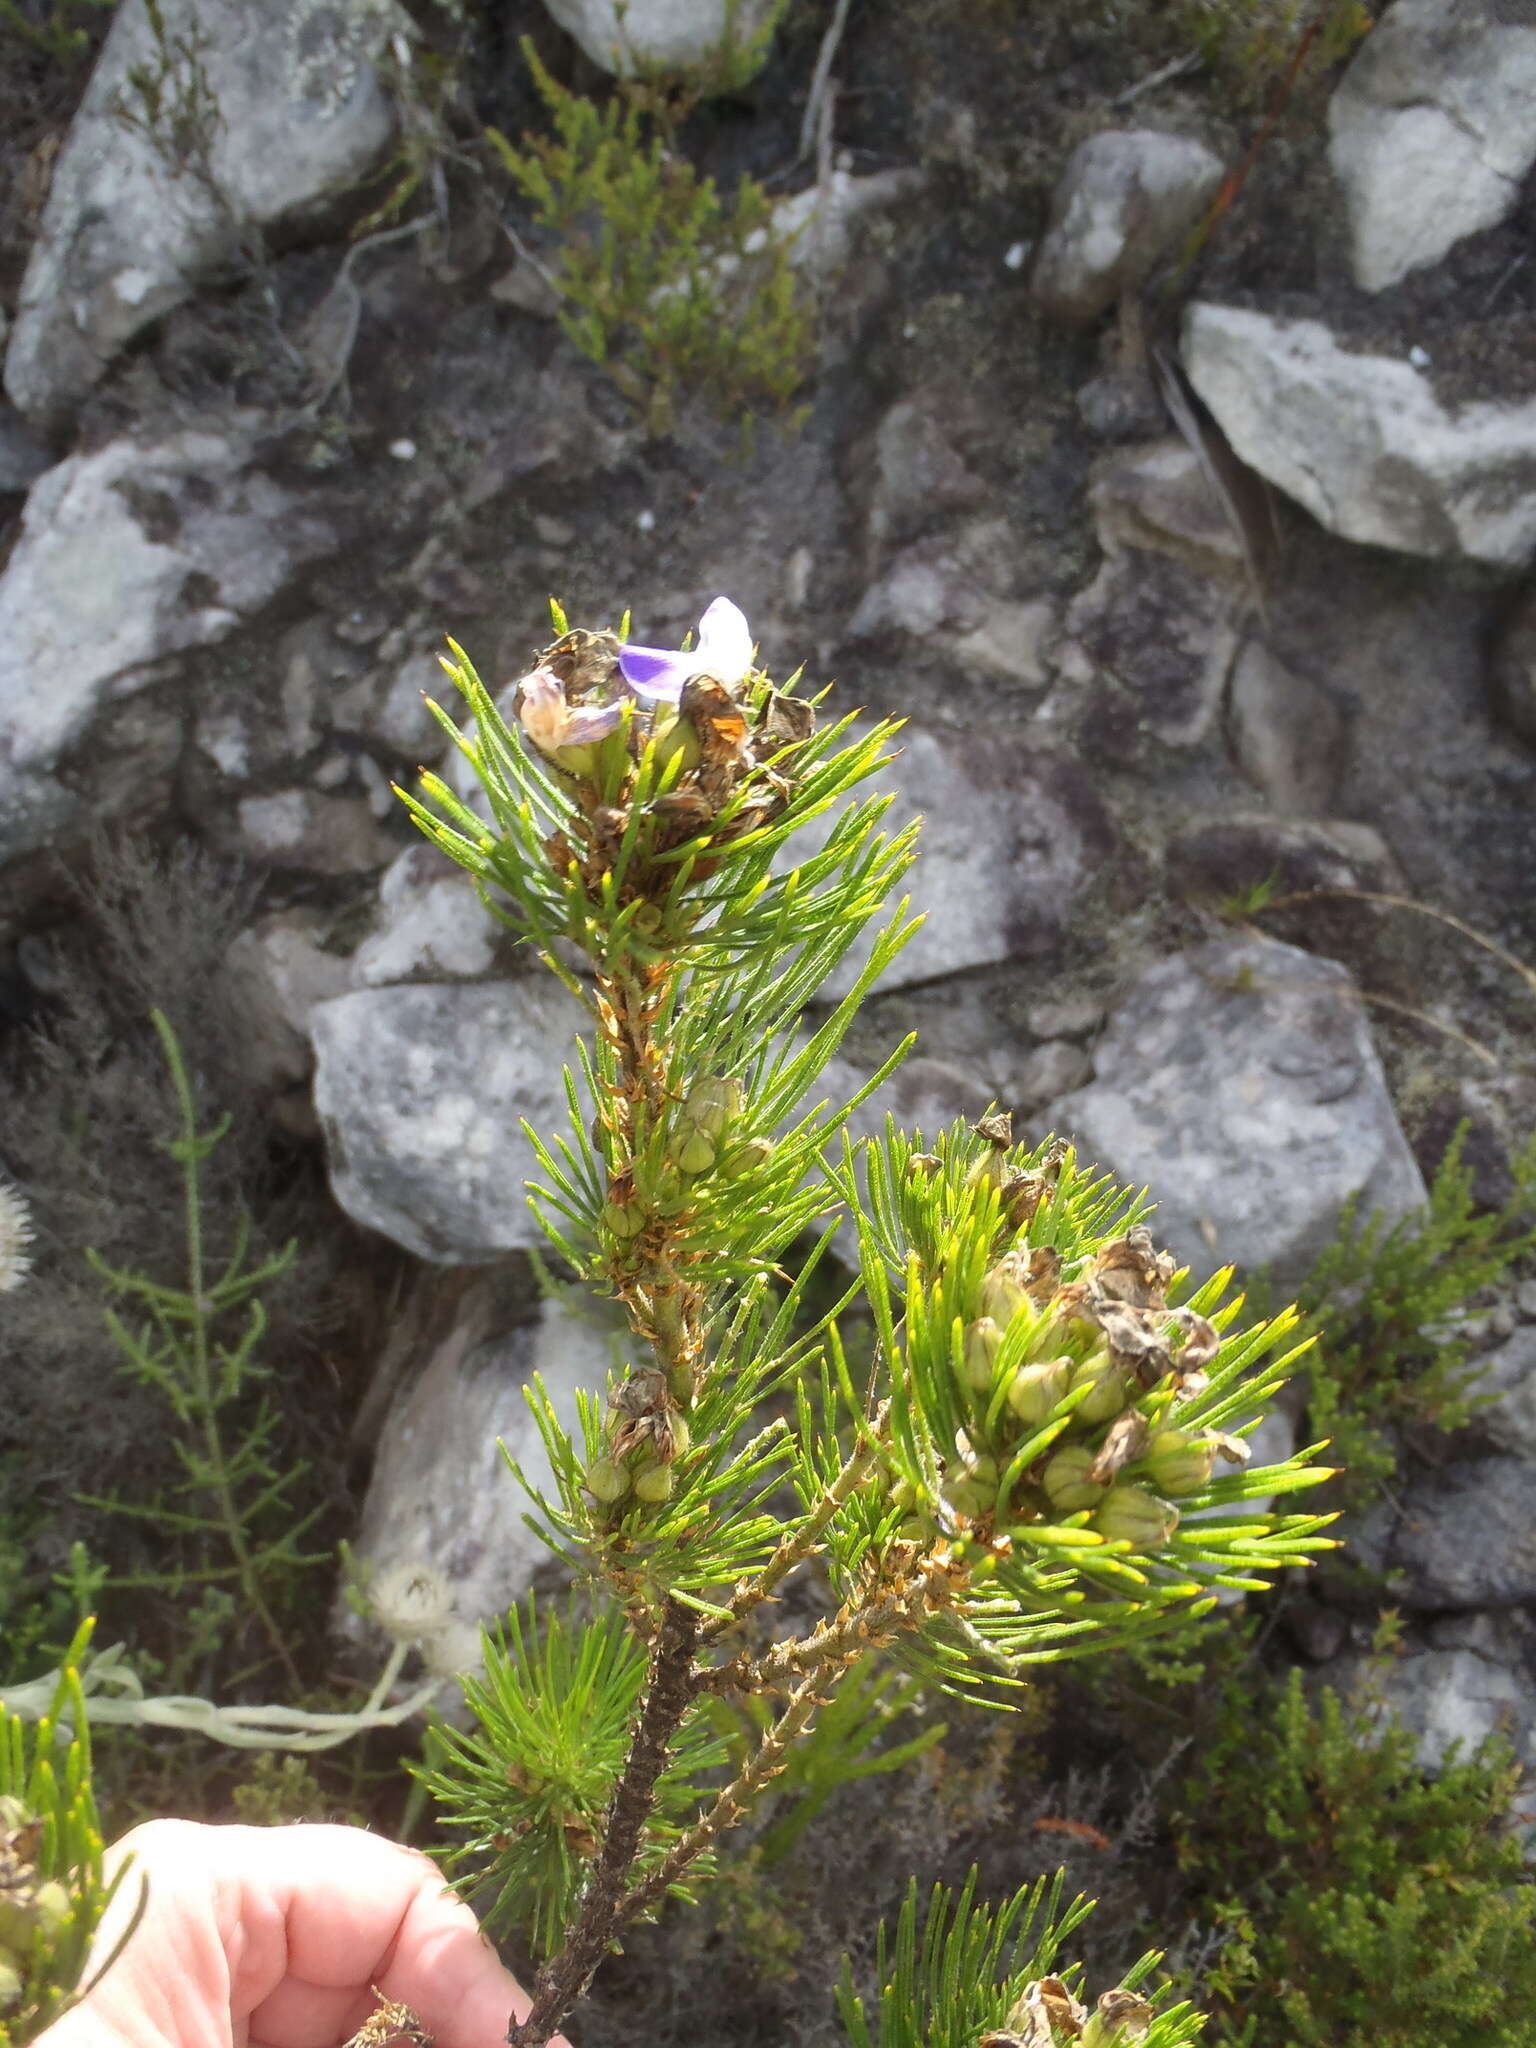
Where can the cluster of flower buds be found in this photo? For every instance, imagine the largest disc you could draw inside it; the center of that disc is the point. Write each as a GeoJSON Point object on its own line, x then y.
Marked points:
{"type": "Point", "coordinates": [1046, 2015]}
{"type": "Point", "coordinates": [647, 1434]}
{"type": "Point", "coordinates": [591, 704]}
{"type": "Point", "coordinates": [703, 1139]}
{"type": "Point", "coordinates": [1100, 1367]}
{"type": "Point", "coordinates": [30, 1904]}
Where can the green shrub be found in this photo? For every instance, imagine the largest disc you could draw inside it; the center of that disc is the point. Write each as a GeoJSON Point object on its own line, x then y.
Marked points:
{"type": "Point", "coordinates": [1365, 1903]}
{"type": "Point", "coordinates": [1386, 1297]}
{"type": "Point", "coordinates": [675, 290]}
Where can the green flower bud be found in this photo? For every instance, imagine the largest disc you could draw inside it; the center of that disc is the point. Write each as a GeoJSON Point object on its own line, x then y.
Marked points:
{"type": "Point", "coordinates": [710, 1104]}
{"type": "Point", "coordinates": [671, 735]}
{"type": "Point", "coordinates": [1035, 1391]}
{"type": "Point", "coordinates": [1001, 1295]}
{"type": "Point", "coordinates": [916, 1529]}
{"type": "Point", "coordinates": [10, 1983]}
{"type": "Point", "coordinates": [1134, 1515]}
{"type": "Point", "coordinates": [696, 1153]}
{"type": "Point", "coordinates": [1109, 1385]}
{"type": "Point", "coordinates": [967, 1496]}
{"type": "Point", "coordinates": [19, 1918]}
{"type": "Point", "coordinates": [607, 1480]}
{"type": "Point", "coordinates": [624, 1219]}
{"type": "Point", "coordinates": [51, 1903]}
{"type": "Point", "coordinates": [746, 1158]}
{"type": "Point", "coordinates": [903, 1494]}
{"type": "Point", "coordinates": [1178, 1461]}
{"type": "Point", "coordinates": [1066, 1480]}
{"type": "Point", "coordinates": [680, 1434]}
{"type": "Point", "coordinates": [653, 1483]}
{"type": "Point", "coordinates": [981, 1341]}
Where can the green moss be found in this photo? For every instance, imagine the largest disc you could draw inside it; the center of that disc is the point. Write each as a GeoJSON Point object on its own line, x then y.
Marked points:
{"type": "Point", "coordinates": [1363, 1902]}
{"type": "Point", "coordinates": [674, 289]}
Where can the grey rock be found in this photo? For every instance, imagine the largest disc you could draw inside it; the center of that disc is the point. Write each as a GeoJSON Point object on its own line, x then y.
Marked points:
{"type": "Point", "coordinates": [1157, 497]}
{"type": "Point", "coordinates": [819, 224]}
{"type": "Point", "coordinates": [1432, 130]}
{"type": "Point", "coordinates": [1363, 442]}
{"type": "Point", "coordinates": [1013, 834]}
{"type": "Point", "coordinates": [441, 1501]}
{"type": "Point", "coordinates": [917, 474]}
{"type": "Point", "coordinates": [1078, 1017]}
{"type": "Point", "coordinates": [1466, 1678]}
{"type": "Point", "coordinates": [1510, 1372]}
{"type": "Point", "coordinates": [306, 830]}
{"type": "Point", "coordinates": [1525, 1300]}
{"type": "Point", "coordinates": [1239, 1082]}
{"type": "Point", "coordinates": [420, 1092]}
{"type": "Point", "coordinates": [127, 555]}
{"type": "Point", "coordinates": [1468, 1538]}
{"type": "Point", "coordinates": [291, 117]}
{"type": "Point", "coordinates": [1224, 856]}
{"type": "Point", "coordinates": [1288, 734]}
{"type": "Point", "coordinates": [278, 970]}
{"type": "Point", "coordinates": [1123, 200]}
{"type": "Point", "coordinates": [1053, 1069]}
{"type": "Point", "coordinates": [431, 925]}
{"type": "Point", "coordinates": [389, 708]}
{"type": "Point", "coordinates": [923, 1095]}
{"type": "Point", "coordinates": [950, 593]}
{"type": "Point", "coordinates": [23, 455]}
{"type": "Point", "coordinates": [1160, 633]}
{"type": "Point", "coordinates": [626, 37]}
{"type": "Point", "coordinates": [1514, 672]}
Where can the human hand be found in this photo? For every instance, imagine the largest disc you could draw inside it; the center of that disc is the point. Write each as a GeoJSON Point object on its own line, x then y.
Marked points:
{"type": "Point", "coordinates": [276, 1938]}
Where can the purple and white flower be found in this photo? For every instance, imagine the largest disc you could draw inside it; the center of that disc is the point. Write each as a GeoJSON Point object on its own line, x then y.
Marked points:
{"type": "Point", "coordinates": [656, 675]}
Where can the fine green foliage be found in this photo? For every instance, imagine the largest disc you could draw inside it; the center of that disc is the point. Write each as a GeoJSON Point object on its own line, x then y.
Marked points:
{"type": "Point", "coordinates": [235, 1499]}
{"type": "Point", "coordinates": [531, 1783]}
{"type": "Point", "coordinates": [1381, 1302]}
{"type": "Point", "coordinates": [1257, 48]}
{"type": "Point", "coordinates": [675, 289]}
{"type": "Point", "coordinates": [975, 1971]}
{"type": "Point", "coordinates": [53, 1891]}
{"type": "Point", "coordinates": [1023, 1466]}
{"type": "Point", "coordinates": [58, 35]}
{"type": "Point", "coordinates": [1366, 1902]}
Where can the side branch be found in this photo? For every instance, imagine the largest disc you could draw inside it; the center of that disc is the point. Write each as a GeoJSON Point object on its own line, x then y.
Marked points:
{"type": "Point", "coordinates": [798, 1545]}
{"type": "Point", "coordinates": [565, 1980]}
{"type": "Point", "coordinates": [854, 1629]}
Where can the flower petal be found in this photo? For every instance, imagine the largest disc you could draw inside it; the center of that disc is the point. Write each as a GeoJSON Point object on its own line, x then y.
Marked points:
{"type": "Point", "coordinates": [725, 643]}
{"type": "Point", "coordinates": [656, 674]}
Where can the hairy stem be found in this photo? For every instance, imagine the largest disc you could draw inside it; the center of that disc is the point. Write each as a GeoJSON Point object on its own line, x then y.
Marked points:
{"type": "Point", "coordinates": [857, 1626]}
{"type": "Point", "coordinates": [669, 1693]}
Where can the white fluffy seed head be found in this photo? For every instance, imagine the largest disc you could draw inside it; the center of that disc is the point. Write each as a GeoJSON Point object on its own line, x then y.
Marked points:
{"type": "Point", "coordinates": [411, 1603]}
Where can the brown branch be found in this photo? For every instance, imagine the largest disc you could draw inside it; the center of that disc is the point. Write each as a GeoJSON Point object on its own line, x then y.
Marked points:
{"type": "Point", "coordinates": [854, 1629]}
{"type": "Point", "coordinates": [798, 1544]}
{"type": "Point", "coordinates": [669, 1693]}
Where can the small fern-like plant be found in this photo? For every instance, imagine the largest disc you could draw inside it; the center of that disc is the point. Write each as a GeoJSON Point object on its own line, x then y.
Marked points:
{"type": "Point", "coordinates": [232, 1512]}
{"type": "Point", "coordinates": [676, 290]}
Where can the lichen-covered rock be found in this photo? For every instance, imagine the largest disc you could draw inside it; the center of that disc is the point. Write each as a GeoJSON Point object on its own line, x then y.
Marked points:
{"type": "Point", "coordinates": [126, 555]}
{"type": "Point", "coordinates": [1222, 857]}
{"type": "Point", "coordinates": [267, 125]}
{"type": "Point", "coordinates": [1122, 201]}
{"type": "Point", "coordinates": [1013, 835]}
{"type": "Point", "coordinates": [431, 925]}
{"type": "Point", "coordinates": [699, 37]}
{"type": "Point", "coordinates": [1240, 1083]}
{"type": "Point", "coordinates": [1363, 442]}
{"type": "Point", "coordinates": [1432, 130]}
{"type": "Point", "coordinates": [440, 1500]}
{"type": "Point", "coordinates": [1468, 1676]}
{"type": "Point", "coordinates": [421, 1091]}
